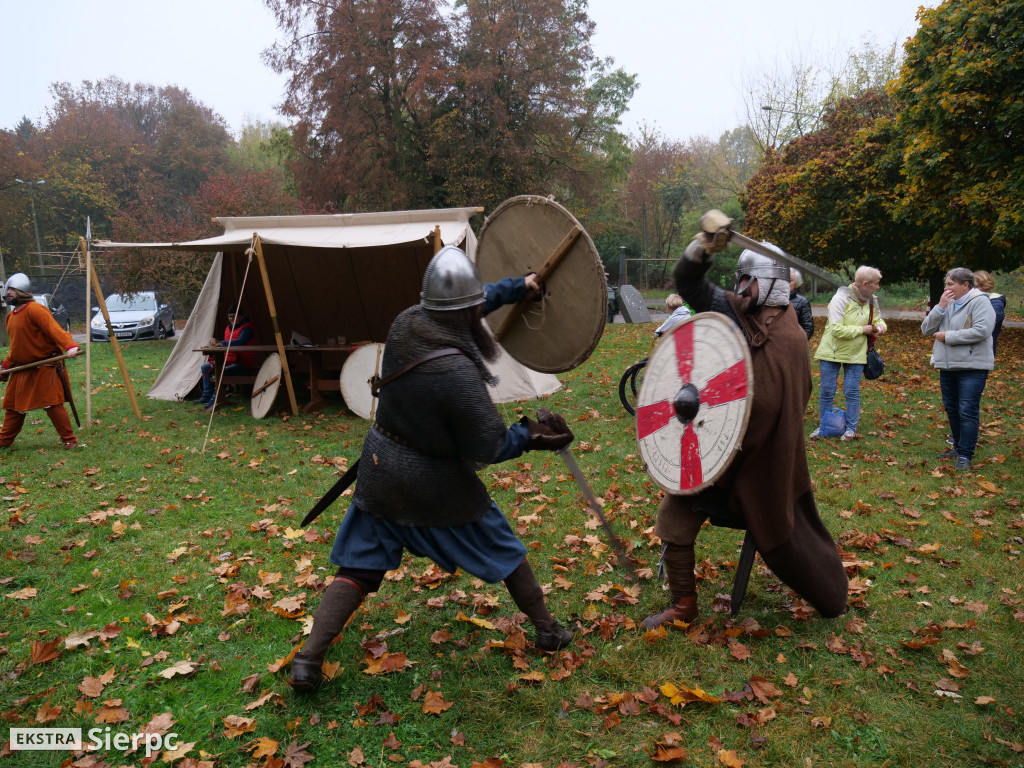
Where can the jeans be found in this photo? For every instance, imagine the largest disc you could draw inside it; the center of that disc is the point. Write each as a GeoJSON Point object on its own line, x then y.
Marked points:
{"type": "Point", "coordinates": [209, 385]}
{"type": "Point", "coordinates": [961, 397]}
{"type": "Point", "coordinates": [851, 389]}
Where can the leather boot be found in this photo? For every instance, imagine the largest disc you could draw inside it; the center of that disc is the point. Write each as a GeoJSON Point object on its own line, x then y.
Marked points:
{"type": "Point", "coordinates": [529, 597]}
{"type": "Point", "coordinates": [679, 561]}
{"type": "Point", "coordinates": [340, 601]}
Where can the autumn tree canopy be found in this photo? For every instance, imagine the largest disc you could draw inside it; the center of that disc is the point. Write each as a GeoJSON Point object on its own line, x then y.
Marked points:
{"type": "Point", "coordinates": [397, 104]}
{"type": "Point", "coordinates": [923, 177]}
{"type": "Point", "coordinates": [959, 134]}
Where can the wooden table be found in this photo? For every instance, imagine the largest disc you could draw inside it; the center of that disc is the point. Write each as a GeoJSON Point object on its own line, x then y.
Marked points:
{"type": "Point", "coordinates": [309, 360]}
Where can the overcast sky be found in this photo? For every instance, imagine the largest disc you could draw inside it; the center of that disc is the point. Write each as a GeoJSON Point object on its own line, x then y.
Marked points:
{"type": "Point", "coordinates": [692, 57]}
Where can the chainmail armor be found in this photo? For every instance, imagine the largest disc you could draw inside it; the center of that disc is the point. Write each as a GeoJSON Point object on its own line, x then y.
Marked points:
{"type": "Point", "coordinates": [443, 414]}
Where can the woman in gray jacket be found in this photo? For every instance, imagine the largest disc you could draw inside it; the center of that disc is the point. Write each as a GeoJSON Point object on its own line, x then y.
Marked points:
{"type": "Point", "coordinates": [961, 324]}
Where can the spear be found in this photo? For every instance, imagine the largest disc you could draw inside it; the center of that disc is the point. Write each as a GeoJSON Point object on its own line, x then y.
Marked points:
{"type": "Point", "coordinates": [36, 364]}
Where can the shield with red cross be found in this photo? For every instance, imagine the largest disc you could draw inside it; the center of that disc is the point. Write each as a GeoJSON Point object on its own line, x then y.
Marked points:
{"type": "Point", "coordinates": [693, 403]}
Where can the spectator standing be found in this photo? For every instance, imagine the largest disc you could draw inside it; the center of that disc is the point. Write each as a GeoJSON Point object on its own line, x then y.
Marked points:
{"type": "Point", "coordinates": [961, 325]}
{"type": "Point", "coordinates": [853, 316]}
{"type": "Point", "coordinates": [801, 305]}
{"type": "Point", "coordinates": [985, 283]}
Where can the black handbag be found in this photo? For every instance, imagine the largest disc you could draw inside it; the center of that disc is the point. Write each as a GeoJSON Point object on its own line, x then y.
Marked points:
{"type": "Point", "coordinates": [875, 365]}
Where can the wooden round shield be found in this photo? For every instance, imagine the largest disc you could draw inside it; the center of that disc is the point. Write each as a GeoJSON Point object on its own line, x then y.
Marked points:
{"type": "Point", "coordinates": [693, 403]}
{"type": "Point", "coordinates": [268, 381]}
{"type": "Point", "coordinates": [527, 234]}
{"type": "Point", "coordinates": [357, 374]}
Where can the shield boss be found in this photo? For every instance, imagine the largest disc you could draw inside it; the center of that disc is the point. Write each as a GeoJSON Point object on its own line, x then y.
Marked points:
{"type": "Point", "coordinates": [693, 403]}
{"type": "Point", "coordinates": [527, 234]}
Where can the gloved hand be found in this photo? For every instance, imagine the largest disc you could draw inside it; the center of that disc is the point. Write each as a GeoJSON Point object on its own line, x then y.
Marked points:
{"type": "Point", "coordinates": [4, 376]}
{"type": "Point", "coordinates": [549, 433]}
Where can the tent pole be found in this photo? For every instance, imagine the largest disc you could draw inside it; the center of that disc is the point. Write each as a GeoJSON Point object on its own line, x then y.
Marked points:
{"type": "Point", "coordinates": [113, 341]}
{"type": "Point", "coordinates": [84, 245]}
{"type": "Point", "coordinates": [437, 238]}
{"type": "Point", "coordinates": [258, 247]}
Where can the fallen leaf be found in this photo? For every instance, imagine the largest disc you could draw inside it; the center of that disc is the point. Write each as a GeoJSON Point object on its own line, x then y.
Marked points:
{"type": "Point", "coordinates": [235, 725]}
{"type": "Point", "coordinates": [179, 668]}
{"type": "Point", "coordinates": [434, 703]}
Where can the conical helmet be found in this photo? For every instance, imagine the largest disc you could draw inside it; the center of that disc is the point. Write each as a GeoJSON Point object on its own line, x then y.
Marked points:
{"type": "Point", "coordinates": [18, 281]}
{"type": "Point", "coordinates": [451, 281]}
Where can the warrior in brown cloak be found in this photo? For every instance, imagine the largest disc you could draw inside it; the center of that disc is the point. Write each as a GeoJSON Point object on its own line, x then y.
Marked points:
{"type": "Point", "coordinates": [767, 487]}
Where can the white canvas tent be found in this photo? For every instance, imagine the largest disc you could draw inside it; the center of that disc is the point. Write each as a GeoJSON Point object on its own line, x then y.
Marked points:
{"type": "Point", "coordinates": [331, 276]}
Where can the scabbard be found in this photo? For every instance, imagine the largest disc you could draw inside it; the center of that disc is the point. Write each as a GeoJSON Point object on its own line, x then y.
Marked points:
{"type": "Point", "coordinates": [62, 373]}
{"type": "Point", "coordinates": [336, 490]}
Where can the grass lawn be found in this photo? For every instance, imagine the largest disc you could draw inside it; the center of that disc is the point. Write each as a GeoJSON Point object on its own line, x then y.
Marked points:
{"type": "Point", "coordinates": [148, 585]}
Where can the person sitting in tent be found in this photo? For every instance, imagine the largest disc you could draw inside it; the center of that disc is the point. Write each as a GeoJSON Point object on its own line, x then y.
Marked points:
{"type": "Point", "coordinates": [239, 332]}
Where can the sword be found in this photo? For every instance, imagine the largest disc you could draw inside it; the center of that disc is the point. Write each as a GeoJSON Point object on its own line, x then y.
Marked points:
{"type": "Point", "coordinates": [714, 220]}
{"type": "Point", "coordinates": [581, 481]}
{"type": "Point", "coordinates": [336, 490]}
{"type": "Point", "coordinates": [62, 374]}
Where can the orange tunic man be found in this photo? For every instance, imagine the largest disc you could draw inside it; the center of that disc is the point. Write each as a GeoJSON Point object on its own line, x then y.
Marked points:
{"type": "Point", "coordinates": [35, 336]}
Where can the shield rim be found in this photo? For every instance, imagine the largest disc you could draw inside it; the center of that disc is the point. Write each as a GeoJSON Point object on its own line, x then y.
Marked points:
{"type": "Point", "coordinates": [730, 325]}
{"type": "Point", "coordinates": [575, 357]}
{"type": "Point", "coordinates": [268, 395]}
{"type": "Point", "coordinates": [350, 384]}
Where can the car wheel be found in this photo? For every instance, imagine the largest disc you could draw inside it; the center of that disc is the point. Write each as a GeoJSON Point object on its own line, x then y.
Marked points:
{"type": "Point", "coordinates": [170, 331]}
{"type": "Point", "coordinates": [161, 334]}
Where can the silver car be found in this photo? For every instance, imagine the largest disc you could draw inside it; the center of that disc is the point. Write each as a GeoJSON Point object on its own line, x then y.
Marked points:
{"type": "Point", "coordinates": [136, 316]}
{"type": "Point", "coordinates": [58, 310]}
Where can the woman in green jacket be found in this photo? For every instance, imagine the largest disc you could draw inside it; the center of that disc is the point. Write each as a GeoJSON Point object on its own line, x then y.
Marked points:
{"type": "Point", "coordinates": [853, 316]}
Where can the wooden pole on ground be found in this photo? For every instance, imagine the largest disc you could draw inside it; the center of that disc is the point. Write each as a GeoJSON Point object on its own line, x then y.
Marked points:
{"type": "Point", "coordinates": [113, 338]}
{"type": "Point", "coordinates": [258, 247]}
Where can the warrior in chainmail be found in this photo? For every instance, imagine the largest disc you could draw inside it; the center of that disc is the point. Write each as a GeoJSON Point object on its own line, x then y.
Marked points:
{"type": "Point", "coordinates": [417, 487]}
{"type": "Point", "coordinates": [767, 487]}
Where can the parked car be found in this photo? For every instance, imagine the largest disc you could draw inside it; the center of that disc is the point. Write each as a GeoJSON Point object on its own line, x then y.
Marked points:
{"type": "Point", "coordinates": [142, 315]}
{"type": "Point", "coordinates": [58, 310]}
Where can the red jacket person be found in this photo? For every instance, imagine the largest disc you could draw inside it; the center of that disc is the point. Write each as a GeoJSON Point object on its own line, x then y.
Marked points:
{"type": "Point", "coordinates": [35, 336]}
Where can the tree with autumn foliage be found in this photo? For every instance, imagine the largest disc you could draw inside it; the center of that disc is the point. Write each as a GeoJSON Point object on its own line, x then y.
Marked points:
{"type": "Point", "coordinates": [365, 78]}
{"type": "Point", "coordinates": [111, 144]}
{"type": "Point", "coordinates": [826, 196]}
{"type": "Point", "coordinates": [958, 135]}
{"type": "Point", "coordinates": [182, 273]}
{"type": "Point", "coordinates": [398, 105]}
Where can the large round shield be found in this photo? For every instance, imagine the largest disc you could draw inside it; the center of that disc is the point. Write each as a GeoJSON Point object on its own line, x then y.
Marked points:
{"type": "Point", "coordinates": [693, 403]}
{"type": "Point", "coordinates": [264, 390]}
{"type": "Point", "coordinates": [527, 234]}
{"type": "Point", "coordinates": [357, 374]}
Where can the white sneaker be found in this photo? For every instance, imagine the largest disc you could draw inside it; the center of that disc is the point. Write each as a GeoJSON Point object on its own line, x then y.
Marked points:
{"type": "Point", "coordinates": [815, 433]}
{"type": "Point", "coordinates": [848, 435]}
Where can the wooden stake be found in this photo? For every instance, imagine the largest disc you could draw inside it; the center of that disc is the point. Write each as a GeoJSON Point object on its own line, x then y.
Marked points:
{"type": "Point", "coordinates": [113, 340]}
{"type": "Point", "coordinates": [258, 247]}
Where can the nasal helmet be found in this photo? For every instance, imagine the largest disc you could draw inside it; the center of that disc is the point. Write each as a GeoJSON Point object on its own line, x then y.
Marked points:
{"type": "Point", "coordinates": [754, 265]}
{"type": "Point", "coordinates": [18, 281]}
{"type": "Point", "coordinates": [451, 281]}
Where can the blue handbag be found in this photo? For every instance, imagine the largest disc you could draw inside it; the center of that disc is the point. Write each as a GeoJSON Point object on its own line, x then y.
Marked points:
{"type": "Point", "coordinates": [833, 423]}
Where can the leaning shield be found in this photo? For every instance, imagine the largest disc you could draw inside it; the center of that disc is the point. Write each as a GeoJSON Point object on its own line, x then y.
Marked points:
{"type": "Point", "coordinates": [527, 234]}
{"type": "Point", "coordinates": [694, 402]}
{"type": "Point", "coordinates": [360, 370]}
{"type": "Point", "coordinates": [264, 390]}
